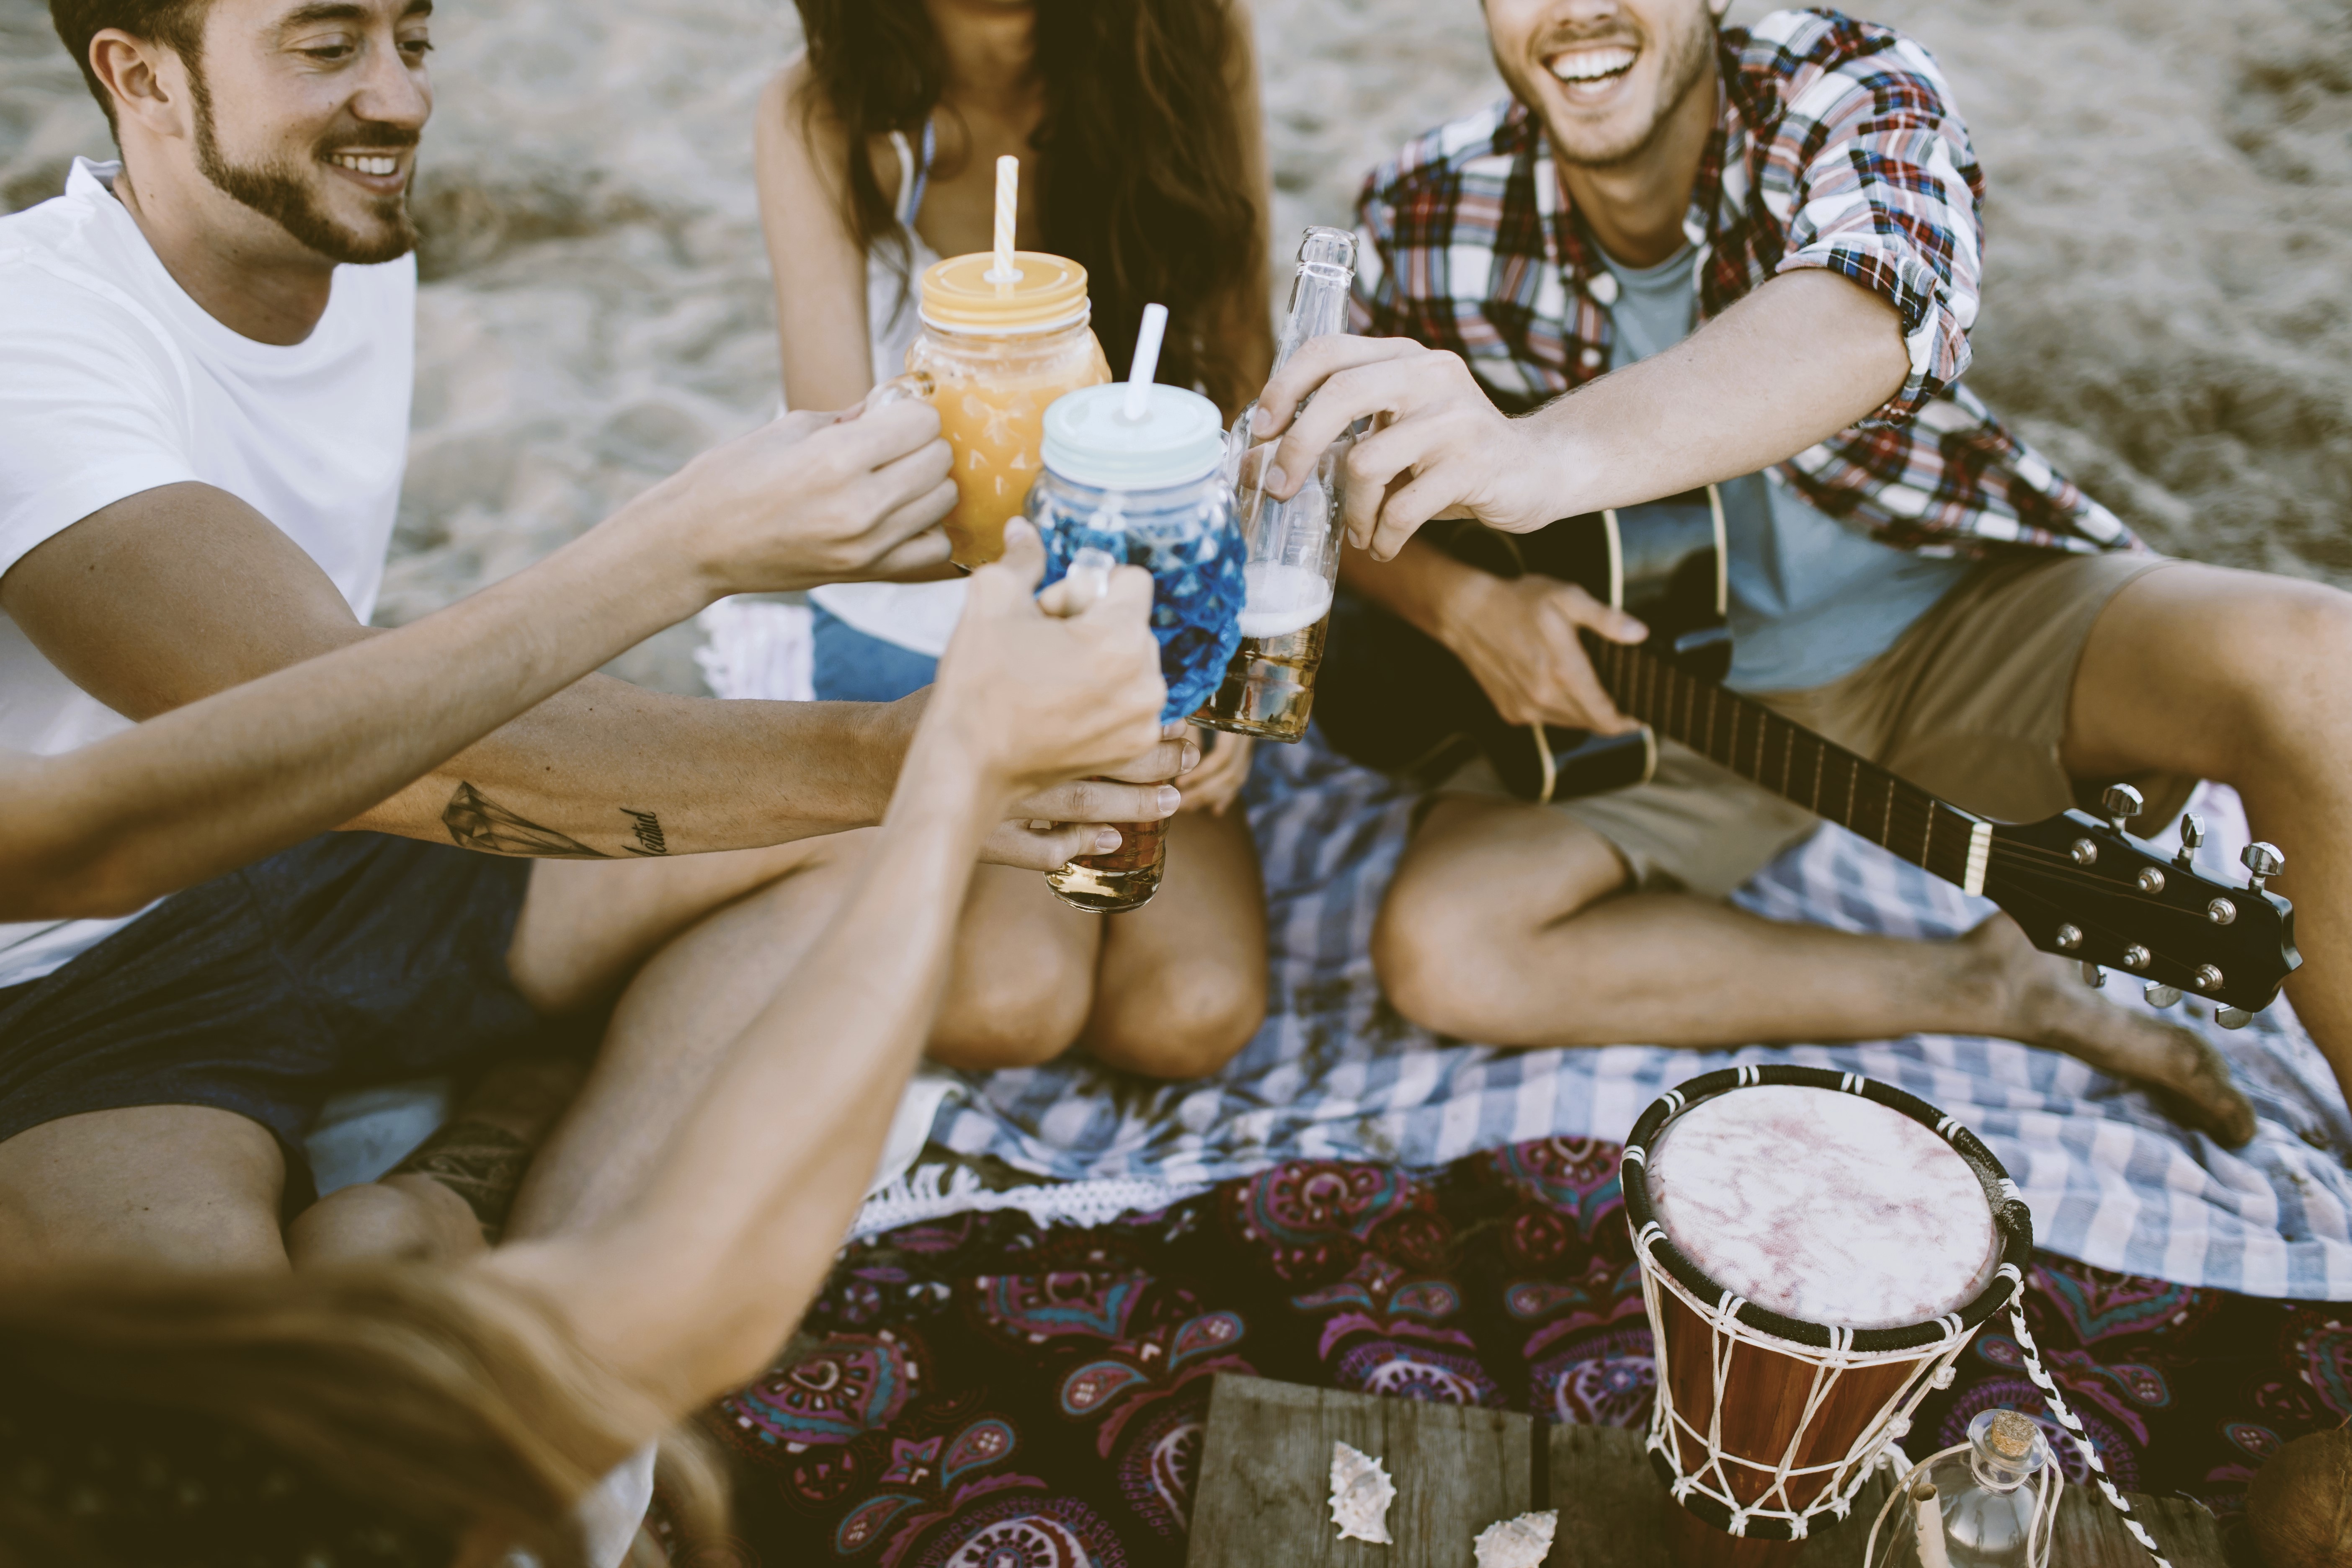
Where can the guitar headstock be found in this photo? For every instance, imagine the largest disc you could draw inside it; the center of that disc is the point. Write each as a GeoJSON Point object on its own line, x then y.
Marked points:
{"type": "Point", "coordinates": [2087, 889]}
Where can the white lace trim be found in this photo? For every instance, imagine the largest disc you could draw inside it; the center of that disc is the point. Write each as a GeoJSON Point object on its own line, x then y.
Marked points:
{"type": "Point", "coordinates": [935, 1191]}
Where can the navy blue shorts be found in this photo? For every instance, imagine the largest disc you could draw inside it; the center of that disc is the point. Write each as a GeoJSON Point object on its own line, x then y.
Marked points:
{"type": "Point", "coordinates": [354, 957]}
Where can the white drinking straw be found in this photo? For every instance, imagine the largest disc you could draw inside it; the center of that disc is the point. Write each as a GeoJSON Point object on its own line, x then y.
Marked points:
{"type": "Point", "coordinates": [1008, 203]}
{"type": "Point", "coordinates": [1146, 363]}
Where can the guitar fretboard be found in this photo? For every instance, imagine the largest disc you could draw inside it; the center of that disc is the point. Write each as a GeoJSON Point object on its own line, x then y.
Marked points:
{"type": "Point", "coordinates": [1793, 763]}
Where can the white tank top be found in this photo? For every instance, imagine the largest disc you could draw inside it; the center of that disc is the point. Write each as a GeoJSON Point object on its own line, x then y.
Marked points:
{"type": "Point", "coordinates": [919, 617]}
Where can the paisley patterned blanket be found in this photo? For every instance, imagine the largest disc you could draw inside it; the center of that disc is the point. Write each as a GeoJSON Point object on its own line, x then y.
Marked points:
{"type": "Point", "coordinates": [982, 1392]}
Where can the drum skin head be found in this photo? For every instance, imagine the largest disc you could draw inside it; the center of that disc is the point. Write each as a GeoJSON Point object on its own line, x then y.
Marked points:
{"type": "Point", "coordinates": [1825, 1207]}
{"type": "Point", "coordinates": [2011, 1220]}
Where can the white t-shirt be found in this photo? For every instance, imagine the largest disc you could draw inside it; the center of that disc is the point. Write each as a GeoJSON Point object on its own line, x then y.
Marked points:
{"type": "Point", "coordinates": [114, 381]}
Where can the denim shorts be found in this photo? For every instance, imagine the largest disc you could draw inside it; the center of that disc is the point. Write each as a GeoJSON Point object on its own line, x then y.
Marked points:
{"type": "Point", "coordinates": [351, 959]}
{"type": "Point", "coordinates": [851, 667]}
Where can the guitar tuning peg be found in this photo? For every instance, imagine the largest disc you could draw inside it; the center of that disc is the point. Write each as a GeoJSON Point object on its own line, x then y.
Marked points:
{"type": "Point", "coordinates": [2123, 803]}
{"type": "Point", "coordinates": [2264, 861]}
{"type": "Point", "coordinates": [2160, 994]}
{"type": "Point", "coordinates": [2192, 835]}
{"type": "Point", "coordinates": [2092, 975]}
{"type": "Point", "coordinates": [2233, 1017]}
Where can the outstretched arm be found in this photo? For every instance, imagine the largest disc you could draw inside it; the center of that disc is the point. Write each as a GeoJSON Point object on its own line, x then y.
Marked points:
{"type": "Point", "coordinates": [176, 593]}
{"type": "Point", "coordinates": [1800, 359]}
{"type": "Point", "coordinates": [691, 1288]}
{"type": "Point", "coordinates": [198, 791]}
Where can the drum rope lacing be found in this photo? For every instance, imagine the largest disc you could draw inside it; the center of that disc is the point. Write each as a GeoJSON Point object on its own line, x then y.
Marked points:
{"type": "Point", "coordinates": [1672, 1433]}
{"type": "Point", "coordinates": [2074, 1432]}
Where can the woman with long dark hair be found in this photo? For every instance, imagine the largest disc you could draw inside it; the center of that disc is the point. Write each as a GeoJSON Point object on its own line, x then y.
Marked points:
{"type": "Point", "coordinates": [412, 1414]}
{"type": "Point", "coordinates": [1136, 122]}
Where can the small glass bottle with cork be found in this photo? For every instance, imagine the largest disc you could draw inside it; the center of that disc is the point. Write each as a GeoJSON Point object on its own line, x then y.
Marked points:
{"type": "Point", "coordinates": [1973, 1508]}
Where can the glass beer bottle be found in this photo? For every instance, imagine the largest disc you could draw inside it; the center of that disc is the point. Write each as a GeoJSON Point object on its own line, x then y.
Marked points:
{"type": "Point", "coordinates": [1148, 490]}
{"type": "Point", "coordinates": [1268, 688]}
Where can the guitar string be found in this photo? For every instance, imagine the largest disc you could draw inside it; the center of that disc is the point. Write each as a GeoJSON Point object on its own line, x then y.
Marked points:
{"type": "Point", "coordinates": [1911, 807]}
{"type": "Point", "coordinates": [2032, 860]}
{"type": "Point", "coordinates": [1905, 811]}
{"type": "Point", "coordinates": [1667, 698]}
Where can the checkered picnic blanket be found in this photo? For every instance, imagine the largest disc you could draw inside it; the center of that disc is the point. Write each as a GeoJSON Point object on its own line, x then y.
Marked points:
{"type": "Point", "coordinates": [1335, 1073]}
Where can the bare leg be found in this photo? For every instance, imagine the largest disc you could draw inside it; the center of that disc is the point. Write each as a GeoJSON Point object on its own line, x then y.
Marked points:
{"type": "Point", "coordinates": [1182, 986]}
{"type": "Point", "coordinates": [672, 1025]}
{"type": "Point", "coordinates": [184, 1186]}
{"type": "Point", "coordinates": [447, 1200]}
{"type": "Point", "coordinates": [1022, 977]}
{"type": "Point", "coordinates": [587, 924]}
{"type": "Point", "coordinates": [2240, 677]}
{"type": "Point", "coordinates": [1500, 927]}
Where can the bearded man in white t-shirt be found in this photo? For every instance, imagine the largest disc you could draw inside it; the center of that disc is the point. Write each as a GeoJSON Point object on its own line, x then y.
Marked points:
{"type": "Point", "coordinates": [207, 354]}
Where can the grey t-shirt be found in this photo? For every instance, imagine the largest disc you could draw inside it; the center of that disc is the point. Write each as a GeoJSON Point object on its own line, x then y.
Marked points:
{"type": "Point", "coordinates": [1811, 598]}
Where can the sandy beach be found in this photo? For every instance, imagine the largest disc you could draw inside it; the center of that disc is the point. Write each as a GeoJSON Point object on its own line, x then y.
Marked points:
{"type": "Point", "coordinates": [2166, 309]}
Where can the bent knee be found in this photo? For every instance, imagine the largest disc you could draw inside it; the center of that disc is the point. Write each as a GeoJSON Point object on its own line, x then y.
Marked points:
{"type": "Point", "coordinates": [1432, 953]}
{"type": "Point", "coordinates": [1188, 1021]}
{"type": "Point", "coordinates": [174, 1187]}
{"type": "Point", "coordinates": [2287, 660]}
{"type": "Point", "coordinates": [410, 1217]}
{"type": "Point", "coordinates": [1019, 1020]}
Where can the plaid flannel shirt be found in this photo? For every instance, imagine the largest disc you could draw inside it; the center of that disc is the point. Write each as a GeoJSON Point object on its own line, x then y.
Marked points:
{"type": "Point", "coordinates": [1836, 145]}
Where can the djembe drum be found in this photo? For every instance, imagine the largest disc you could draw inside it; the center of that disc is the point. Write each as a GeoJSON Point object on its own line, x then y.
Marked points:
{"type": "Point", "coordinates": [1816, 1249]}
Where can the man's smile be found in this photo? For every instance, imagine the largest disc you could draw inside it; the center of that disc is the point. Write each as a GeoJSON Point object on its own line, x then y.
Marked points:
{"type": "Point", "coordinates": [1590, 73]}
{"type": "Point", "coordinates": [382, 172]}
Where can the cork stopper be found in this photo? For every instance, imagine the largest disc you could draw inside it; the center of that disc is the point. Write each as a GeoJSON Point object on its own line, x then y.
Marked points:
{"type": "Point", "coordinates": [2010, 1436]}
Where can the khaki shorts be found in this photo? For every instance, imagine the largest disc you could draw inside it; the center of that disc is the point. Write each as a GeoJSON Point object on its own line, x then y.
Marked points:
{"type": "Point", "coordinates": [1971, 704]}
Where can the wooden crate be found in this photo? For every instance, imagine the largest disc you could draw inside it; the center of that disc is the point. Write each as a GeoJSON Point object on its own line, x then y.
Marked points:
{"type": "Point", "coordinates": [1263, 1498]}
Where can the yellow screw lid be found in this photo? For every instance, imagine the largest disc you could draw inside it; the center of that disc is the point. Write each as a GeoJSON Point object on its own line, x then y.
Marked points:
{"type": "Point", "coordinates": [957, 296]}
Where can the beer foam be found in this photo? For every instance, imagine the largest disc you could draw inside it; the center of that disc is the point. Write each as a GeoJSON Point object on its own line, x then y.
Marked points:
{"type": "Point", "coordinates": [1825, 1207]}
{"type": "Point", "coordinates": [1282, 599]}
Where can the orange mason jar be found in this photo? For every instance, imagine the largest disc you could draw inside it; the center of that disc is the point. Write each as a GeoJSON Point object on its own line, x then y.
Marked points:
{"type": "Point", "coordinates": [991, 356]}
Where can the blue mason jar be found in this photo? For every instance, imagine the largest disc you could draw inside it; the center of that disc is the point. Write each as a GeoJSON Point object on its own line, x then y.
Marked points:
{"type": "Point", "coordinates": [1152, 491]}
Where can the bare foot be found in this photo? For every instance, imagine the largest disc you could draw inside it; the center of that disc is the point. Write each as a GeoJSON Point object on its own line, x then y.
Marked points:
{"type": "Point", "coordinates": [2048, 1004]}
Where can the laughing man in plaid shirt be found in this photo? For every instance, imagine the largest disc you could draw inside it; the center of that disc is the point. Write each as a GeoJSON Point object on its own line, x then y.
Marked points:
{"type": "Point", "coordinates": [1750, 259]}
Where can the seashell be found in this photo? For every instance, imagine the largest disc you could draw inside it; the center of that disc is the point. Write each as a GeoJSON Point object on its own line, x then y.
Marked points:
{"type": "Point", "coordinates": [1521, 1542]}
{"type": "Point", "coordinates": [1360, 1494]}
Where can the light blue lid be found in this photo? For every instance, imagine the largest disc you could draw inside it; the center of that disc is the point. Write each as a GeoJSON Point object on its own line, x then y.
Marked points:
{"type": "Point", "coordinates": [1090, 441]}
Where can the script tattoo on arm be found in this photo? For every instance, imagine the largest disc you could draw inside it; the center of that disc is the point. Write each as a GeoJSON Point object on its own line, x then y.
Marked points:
{"type": "Point", "coordinates": [647, 828]}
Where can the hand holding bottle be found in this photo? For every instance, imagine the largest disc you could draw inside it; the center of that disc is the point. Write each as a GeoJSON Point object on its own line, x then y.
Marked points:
{"type": "Point", "coordinates": [1034, 697]}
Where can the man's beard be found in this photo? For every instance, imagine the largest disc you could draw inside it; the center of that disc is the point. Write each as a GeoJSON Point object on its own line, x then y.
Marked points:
{"type": "Point", "coordinates": [279, 192]}
{"type": "Point", "coordinates": [1682, 71]}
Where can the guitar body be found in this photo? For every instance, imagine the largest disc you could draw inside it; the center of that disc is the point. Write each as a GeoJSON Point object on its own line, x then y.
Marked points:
{"type": "Point", "coordinates": [1393, 699]}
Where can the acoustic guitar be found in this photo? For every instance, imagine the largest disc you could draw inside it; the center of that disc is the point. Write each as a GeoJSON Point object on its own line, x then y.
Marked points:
{"type": "Point", "coordinates": [2080, 885]}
